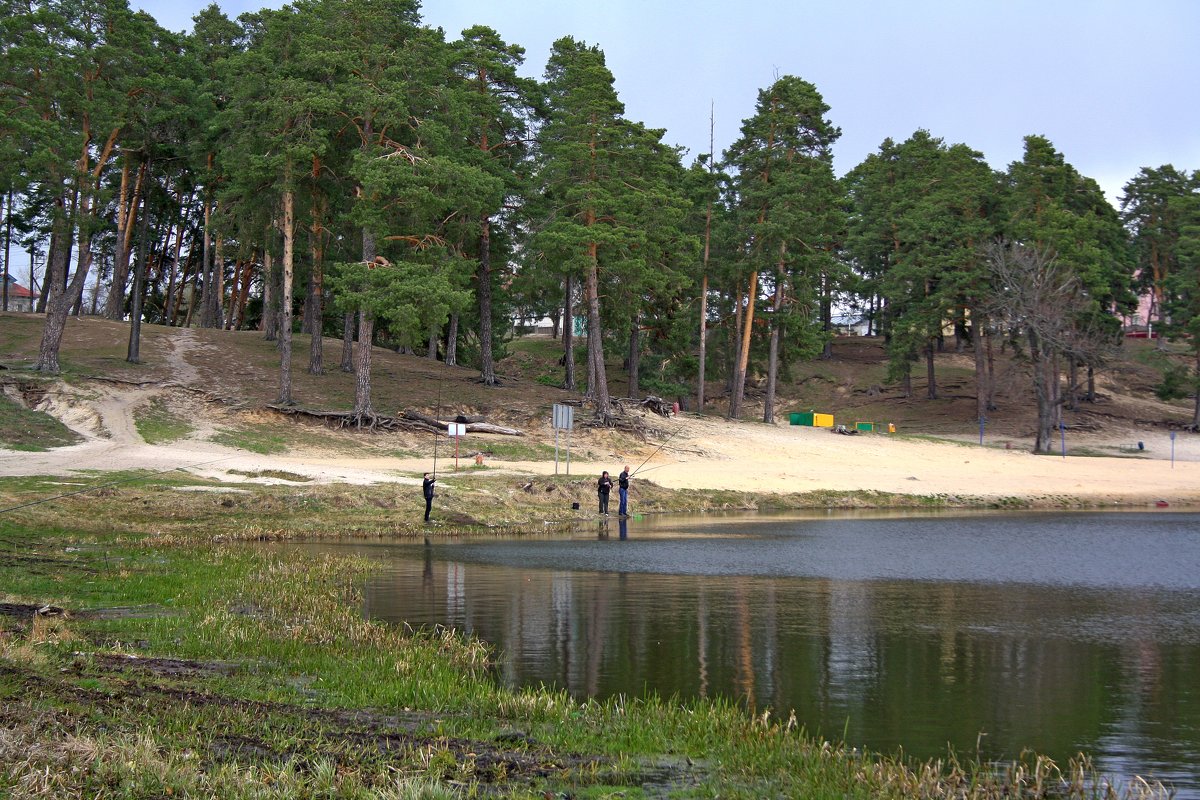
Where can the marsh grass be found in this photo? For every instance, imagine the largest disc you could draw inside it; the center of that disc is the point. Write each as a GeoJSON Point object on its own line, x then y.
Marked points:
{"type": "Point", "coordinates": [262, 678]}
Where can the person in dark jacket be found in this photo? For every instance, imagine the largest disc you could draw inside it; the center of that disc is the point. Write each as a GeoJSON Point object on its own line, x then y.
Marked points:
{"type": "Point", "coordinates": [603, 487]}
{"type": "Point", "coordinates": [623, 492]}
{"type": "Point", "coordinates": [427, 490]}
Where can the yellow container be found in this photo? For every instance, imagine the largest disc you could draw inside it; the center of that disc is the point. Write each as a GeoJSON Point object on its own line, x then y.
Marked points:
{"type": "Point", "coordinates": [822, 420]}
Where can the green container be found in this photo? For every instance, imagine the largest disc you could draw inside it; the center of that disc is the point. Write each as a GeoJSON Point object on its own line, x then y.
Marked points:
{"type": "Point", "coordinates": [801, 418]}
{"type": "Point", "coordinates": [864, 426]}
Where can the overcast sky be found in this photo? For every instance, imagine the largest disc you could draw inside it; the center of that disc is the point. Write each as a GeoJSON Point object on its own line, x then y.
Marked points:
{"type": "Point", "coordinates": [1114, 85]}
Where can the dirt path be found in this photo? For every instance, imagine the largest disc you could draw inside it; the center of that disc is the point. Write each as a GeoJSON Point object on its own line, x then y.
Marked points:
{"type": "Point", "coordinates": [702, 453]}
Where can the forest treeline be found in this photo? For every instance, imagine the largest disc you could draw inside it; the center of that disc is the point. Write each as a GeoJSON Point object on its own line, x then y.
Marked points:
{"type": "Point", "coordinates": [337, 167]}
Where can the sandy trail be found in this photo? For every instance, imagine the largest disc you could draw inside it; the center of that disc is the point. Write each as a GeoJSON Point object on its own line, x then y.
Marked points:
{"type": "Point", "coordinates": [702, 453]}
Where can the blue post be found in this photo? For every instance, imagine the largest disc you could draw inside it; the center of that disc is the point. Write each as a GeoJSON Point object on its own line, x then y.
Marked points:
{"type": "Point", "coordinates": [1062, 432]}
{"type": "Point", "coordinates": [982, 420]}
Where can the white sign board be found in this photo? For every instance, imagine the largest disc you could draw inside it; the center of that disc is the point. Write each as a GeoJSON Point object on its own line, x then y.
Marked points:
{"type": "Point", "coordinates": [456, 429]}
{"type": "Point", "coordinates": [563, 417]}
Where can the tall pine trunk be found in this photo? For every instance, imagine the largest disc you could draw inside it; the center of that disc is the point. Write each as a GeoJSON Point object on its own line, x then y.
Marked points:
{"type": "Point", "coordinates": [316, 290]}
{"type": "Point", "coordinates": [114, 304]}
{"type": "Point", "coordinates": [569, 335]}
{"type": "Point", "coordinates": [61, 296]}
{"type": "Point", "coordinates": [134, 353]}
{"type": "Point", "coordinates": [483, 292]}
{"type": "Point", "coordinates": [1043, 394]}
{"type": "Point", "coordinates": [285, 306]}
{"type": "Point", "coordinates": [362, 366]}
{"type": "Point", "coordinates": [773, 352]}
{"type": "Point", "coordinates": [8, 250]}
{"type": "Point", "coordinates": [703, 335]}
{"type": "Point", "coordinates": [708, 215]}
{"type": "Point", "coordinates": [270, 314]}
{"type": "Point", "coordinates": [348, 329]}
{"type": "Point", "coordinates": [598, 390]}
{"type": "Point", "coordinates": [206, 268]}
{"type": "Point", "coordinates": [452, 341]}
{"type": "Point", "coordinates": [366, 332]}
{"type": "Point", "coordinates": [743, 362]}
{"type": "Point", "coordinates": [978, 335]}
{"type": "Point", "coordinates": [930, 371]}
{"type": "Point", "coordinates": [634, 359]}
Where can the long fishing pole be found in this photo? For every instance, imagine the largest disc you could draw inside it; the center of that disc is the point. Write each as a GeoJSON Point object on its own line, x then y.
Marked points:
{"type": "Point", "coordinates": [436, 414]}
{"type": "Point", "coordinates": [660, 466]}
{"type": "Point", "coordinates": [652, 455]}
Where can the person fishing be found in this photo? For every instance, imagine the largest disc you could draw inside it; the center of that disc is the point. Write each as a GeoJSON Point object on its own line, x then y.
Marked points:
{"type": "Point", "coordinates": [603, 488]}
{"type": "Point", "coordinates": [623, 492]}
{"type": "Point", "coordinates": [427, 490]}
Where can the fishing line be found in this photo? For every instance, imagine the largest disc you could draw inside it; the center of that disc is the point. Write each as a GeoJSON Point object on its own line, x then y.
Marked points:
{"type": "Point", "coordinates": [114, 483]}
{"type": "Point", "coordinates": [652, 455]}
{"type": "Point", "coordinates": [651, 469]}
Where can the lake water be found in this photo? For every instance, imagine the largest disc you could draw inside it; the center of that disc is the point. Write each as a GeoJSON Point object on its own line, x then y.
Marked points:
{"type": "Point", "coordinates": [1057, 632]}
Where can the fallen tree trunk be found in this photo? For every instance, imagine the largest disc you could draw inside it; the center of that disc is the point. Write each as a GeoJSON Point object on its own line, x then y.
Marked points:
{"type": "Point", "coordinates": [473, 424]}
{"type": "Point", "coordinates": [409, 420]}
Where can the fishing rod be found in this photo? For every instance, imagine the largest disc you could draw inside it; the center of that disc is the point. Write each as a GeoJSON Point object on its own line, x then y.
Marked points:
{"type": "Point", "coordinates": [652, 455]}
{"type": "Point", "coordinates": [114, 483]}
{"type": "Point", "coordinates": [660, 466]}
{"type": "Point", "coordinates": [436, 414]}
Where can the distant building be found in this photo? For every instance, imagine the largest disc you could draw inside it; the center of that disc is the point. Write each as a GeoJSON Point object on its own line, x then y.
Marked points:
{"type": "Point", "coordinates": [19, 298]}
{"type": "Point", "coordinates": [850, 324]}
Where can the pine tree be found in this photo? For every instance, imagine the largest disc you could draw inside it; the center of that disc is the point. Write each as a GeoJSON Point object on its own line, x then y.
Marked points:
{"type": "Point", "coordinates": [1150, 211]}
{"type": "Point", "coordinates": [788, 207]}
{"type": "Point", "coordinates": [581, 163]}
{"type": "Point", "coordinates": [1063, 217]}
{"type": "Point", "coordinates": [497, 108]}
{"type": "Point", "coordinates": [73, 68]}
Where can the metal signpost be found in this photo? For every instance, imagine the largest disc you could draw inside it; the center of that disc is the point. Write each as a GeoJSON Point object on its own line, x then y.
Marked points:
{"type": "Point", "coordinates": [457, 430]}
{"type": "Point", "coordinates": [563, 418]}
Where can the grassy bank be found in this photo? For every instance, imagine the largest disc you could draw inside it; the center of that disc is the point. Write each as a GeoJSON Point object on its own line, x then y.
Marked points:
{"type": "Point", "coordinates": [169, 660]}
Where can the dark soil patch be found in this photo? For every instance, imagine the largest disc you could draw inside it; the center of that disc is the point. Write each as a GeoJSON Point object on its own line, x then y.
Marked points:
{"type": "Point", "coordinates": [351, 739]}
{"type": "Point", "coordinates": [124, 612]}
{"type": "Point", "coordinates": [25, 611]}
{"type": "Point", "coordinates": [166, 667]}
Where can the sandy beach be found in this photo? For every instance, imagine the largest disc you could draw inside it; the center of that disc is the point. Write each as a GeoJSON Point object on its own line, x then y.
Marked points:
{"type": "Point", "coordinates": [698, 453]}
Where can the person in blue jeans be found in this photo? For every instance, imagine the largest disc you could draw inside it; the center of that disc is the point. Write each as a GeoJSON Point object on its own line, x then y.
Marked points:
{"type": "Point", "coordinates": [623, 492]}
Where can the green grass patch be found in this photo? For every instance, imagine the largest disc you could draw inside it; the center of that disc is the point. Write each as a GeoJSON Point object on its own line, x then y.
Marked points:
{"type": "Point", "coordinates": [521, 450]}
{"type": "Point", "coordinates": [265, 440]}
{"type": "Point", "coordinates": [157, 424]}
{"type": "Point", "coordinates": [32, 431]}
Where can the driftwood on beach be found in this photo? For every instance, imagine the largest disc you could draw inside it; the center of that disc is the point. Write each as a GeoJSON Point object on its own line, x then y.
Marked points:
{"type": "Point", "coordinates": [408, 420]}
{"type": "Point", "coordinates": [473, 424]}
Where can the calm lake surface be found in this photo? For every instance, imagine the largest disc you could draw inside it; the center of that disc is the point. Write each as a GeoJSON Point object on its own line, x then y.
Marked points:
{"type": "Point", "coordinates": [1058, 632]}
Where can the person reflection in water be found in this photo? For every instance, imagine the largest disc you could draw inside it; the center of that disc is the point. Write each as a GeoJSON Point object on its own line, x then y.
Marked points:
{"type": "Point", "coordinates": [624, 524]}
